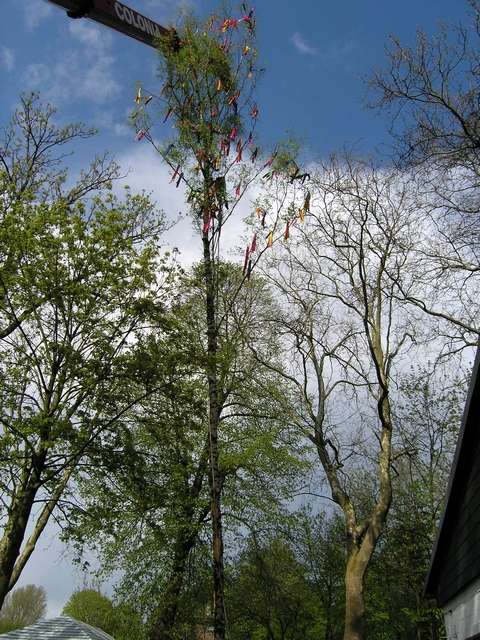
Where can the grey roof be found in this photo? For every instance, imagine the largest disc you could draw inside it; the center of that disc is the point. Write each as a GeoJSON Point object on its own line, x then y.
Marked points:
{"type": "Point", "coordinates": [62, 628]}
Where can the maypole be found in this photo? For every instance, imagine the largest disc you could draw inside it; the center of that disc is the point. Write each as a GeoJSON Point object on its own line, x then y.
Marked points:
{"type": "Point", "coordinates": [209, 72]}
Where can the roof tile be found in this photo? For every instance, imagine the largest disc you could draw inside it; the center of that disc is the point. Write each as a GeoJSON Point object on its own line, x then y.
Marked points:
{"type": "Point", "coordinates": [62, 628]}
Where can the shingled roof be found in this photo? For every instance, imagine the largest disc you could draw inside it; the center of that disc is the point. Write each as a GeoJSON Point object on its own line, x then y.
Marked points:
{"type": "Point", "coordinates": [62, 628]}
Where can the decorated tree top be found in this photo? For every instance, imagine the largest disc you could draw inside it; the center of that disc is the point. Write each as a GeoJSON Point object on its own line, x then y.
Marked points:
{"type": "Point", "coordinates": [210, 71]}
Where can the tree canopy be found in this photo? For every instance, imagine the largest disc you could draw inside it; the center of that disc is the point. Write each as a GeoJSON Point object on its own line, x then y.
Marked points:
{"type": "Point", "coordinates": [255, 446]}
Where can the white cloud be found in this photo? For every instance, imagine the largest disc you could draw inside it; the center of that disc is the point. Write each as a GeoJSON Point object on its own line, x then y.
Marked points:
{"type": "Point", "coordinates": [35, 11]}
{"type": "Point", "coordinates": [98, 83]}
{"type": "Point", "coordinates": [7, 59]}
{"type": "Point", "coordinates": [167, 8]}
{"type": "Point", "coordinates": [302, 46]}
{"type": "Point", "coordinates": [36, 75]}
{"type": "Point", "coordinates": [87, 73]}
{"type": "Point", "coordinates": [68, 80]}
{"type": "Point", "coordinates": [337, 51]}
{"type": "Point", "coordinates": [122, 130]}
{"type": "Point", "coordinates": [90, 34]}
{"type": "Point", "coordinates": [146, 171]}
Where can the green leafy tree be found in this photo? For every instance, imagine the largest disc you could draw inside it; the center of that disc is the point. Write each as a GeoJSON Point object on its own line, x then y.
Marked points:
{"type": "Point", "coordinates": [32, 152]}
{"type": "Point", "coordinates": [91, 606]}
{"type": "Point", "coordinates": [85, 276]}
{"type": "Point", "coordinates": [145, 506]}
{"type": "Point", "coordinates": [321, 546]}
{"type": "Point", "coordinates": [97, 610]}
{"type": "Point", "coordinates": [270, 597]}
{"type": "Point", "coordinates": [209, 71]}
{"type": "Point", "coordinates": [193, 74]}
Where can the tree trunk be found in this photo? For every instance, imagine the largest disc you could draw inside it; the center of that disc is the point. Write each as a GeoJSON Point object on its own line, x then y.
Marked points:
{"type": "Point", "coordinates": [165, 616]}
{"type": "Point", "coordinates": [40, 525]}
{"type": "Point", "coordinates": [14, 534]}
{"type": "Point", "coordinates": [164, 625]}
{"type": "Point", "coordinates": [354, 599]}
{"type": "Point", "coordinates": [359, 557]}
{"type": "Point", "coordinates": [328, 616]}
{"type": "Point", "coordinates": [214, 415]}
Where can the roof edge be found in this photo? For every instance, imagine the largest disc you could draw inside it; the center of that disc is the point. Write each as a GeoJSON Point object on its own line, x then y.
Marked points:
{"type": "Point", "coordinates": [474, 387]}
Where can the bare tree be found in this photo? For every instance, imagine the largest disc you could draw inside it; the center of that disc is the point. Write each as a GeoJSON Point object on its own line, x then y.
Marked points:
{"type": "Point", "coordinates": [445, 283]}
{"type": "Point", "coordinates": [33, 149]}
{"type": "Point", "coordinates": [347, 328]}
{"type": "Point", "coordinates": [24, 606]}
{"type": "Point", "coordinates": [432, 92]}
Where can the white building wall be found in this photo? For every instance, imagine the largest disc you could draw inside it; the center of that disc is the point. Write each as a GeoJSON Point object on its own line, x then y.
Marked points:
{"type": "Point", "coordinates": [462, 613]}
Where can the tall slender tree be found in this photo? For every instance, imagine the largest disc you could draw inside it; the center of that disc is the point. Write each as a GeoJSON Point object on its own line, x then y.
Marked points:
{"type": "Point", "coordinates": [209, 72]}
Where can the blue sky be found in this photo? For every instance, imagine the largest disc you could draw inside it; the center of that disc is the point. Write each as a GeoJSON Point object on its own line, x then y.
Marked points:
{"type": "Point", "coordinates": [315, 52]}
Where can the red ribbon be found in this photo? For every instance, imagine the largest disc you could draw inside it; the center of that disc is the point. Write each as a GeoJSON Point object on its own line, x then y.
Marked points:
{"type": "Point", "coordinates": [207, 224]}
{"type": "Point", "coordinates": [247, 255]}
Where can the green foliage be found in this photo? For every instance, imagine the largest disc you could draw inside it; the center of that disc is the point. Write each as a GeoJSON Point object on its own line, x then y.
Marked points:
{"type": "Point", "coordinates": [23, 607]}
{"type": "Point", "coordinates": [193, 73]}
{"type": "Point", "coordinates": [269, 596]}
{"type": "Point", "coordinates": [428, 408]}
{"type": "Point", "coordinates": [94, 608]}
{"type": "Point", "coordinates": [321, 547]}
{"type": "Point", "coordinates": [106, 367]}
{"type": "Point", "coordinates": [82, 275]}
{"type": "Point", "coordinates": [208, 96]}
{"type": "Point", "coordinates": [79, 277]}
{"type": "Point", "coordinates": [147, 497]}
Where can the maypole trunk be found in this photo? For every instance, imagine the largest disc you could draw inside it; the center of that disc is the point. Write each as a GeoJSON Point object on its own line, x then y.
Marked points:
{"type": "Point", "coordinates": [214, 419]}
